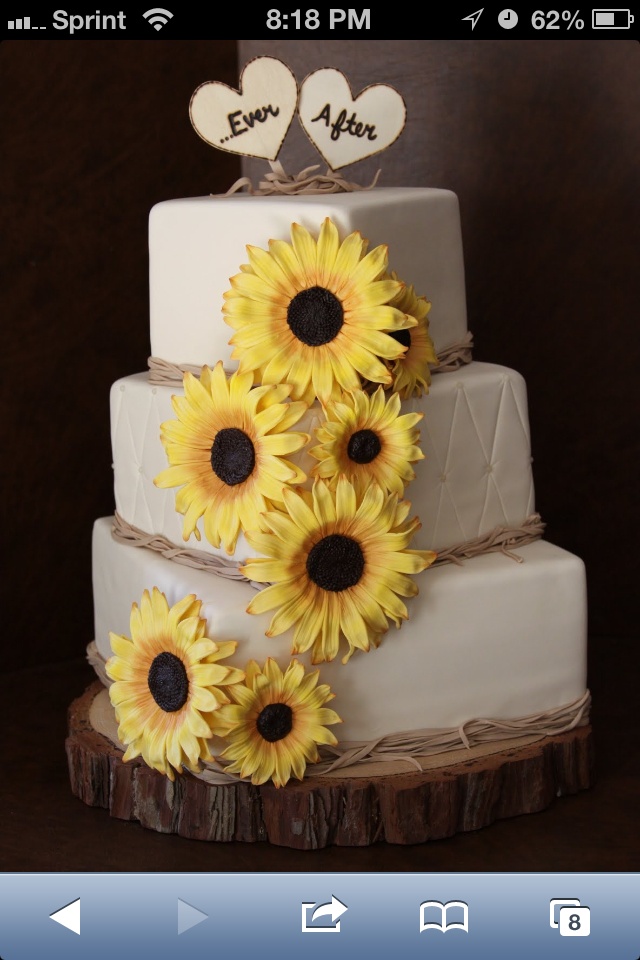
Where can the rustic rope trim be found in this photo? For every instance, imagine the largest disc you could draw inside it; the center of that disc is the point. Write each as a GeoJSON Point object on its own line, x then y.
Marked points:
{"type": "Point", "coordinates": [499, 540]}
{"type": "Point", "coordinates": [126, 533]}
{"type": "Point", "coordinates": [280, 183]}
{"type": "Point", "coordinates": [425, 743]}
{"type": "Point", "coordinates": [414, 745]}
{"type": "Point", "coordinates": [456, 355]}
{"type": "Point", "coordinates": [163, 372]}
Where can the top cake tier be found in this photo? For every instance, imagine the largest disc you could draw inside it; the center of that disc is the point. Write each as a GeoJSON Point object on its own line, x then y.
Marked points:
{"type": "Point", "coordinates": [196, 245]}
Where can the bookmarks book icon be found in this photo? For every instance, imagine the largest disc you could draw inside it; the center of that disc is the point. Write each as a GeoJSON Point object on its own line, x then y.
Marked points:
{"type": "Point", "coordinates": [452, 915]}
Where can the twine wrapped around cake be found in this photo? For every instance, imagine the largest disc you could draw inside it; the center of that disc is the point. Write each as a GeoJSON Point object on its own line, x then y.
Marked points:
{"type": "Point", "coordinates": [126, 533]}
{"type": "Point", "coordinates": [473, 733]}
{"type": "Point", "coordinates": [415, 747]}
{"type": "Point", "coordinates": [163, 372]}
{"type": "Point", "coordinates": [499, 540]}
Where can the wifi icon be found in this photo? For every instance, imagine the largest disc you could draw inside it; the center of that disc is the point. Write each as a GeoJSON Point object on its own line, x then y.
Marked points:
{"type": "Point", "coordinates": [157, 17]}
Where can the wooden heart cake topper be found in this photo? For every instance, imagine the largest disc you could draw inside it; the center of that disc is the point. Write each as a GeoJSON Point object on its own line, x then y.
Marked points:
{"type": "Point", "coordinates": [252, 121]}
{"type": "Point", "coordinates": [346, 129]}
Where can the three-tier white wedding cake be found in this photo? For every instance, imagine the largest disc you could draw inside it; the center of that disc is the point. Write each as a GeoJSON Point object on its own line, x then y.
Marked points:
{"type": "Point", "coordinates": [263, 533]}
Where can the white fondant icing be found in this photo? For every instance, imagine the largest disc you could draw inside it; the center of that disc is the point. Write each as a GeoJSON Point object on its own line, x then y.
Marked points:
{"type": "Point", "coordinates": [197, 244]}
{"type": "Point", "coordinates": [490, 639]}
{"type": "Point", "coordinates": [476, 474]}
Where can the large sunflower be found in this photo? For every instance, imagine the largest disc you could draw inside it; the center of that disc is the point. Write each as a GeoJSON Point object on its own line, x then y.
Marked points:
{"type": "Point", "coordinates": [227, 451]}
{"type": "Point", "coordinates": [276, 723]}
{"type": "Point", "coordinates": [337, 565]}
{"type": "Point", "coordinates": [410, 372]}
{"type": "Point", "coordinates": [366, 438]}
{"type": "Point", "coordinates": [168, 683]}
{"type": "Point", "coordinates": [312, 314]}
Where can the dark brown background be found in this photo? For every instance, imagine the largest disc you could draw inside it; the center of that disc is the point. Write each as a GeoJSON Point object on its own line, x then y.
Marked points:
{"type": "Point", "coordinates": [540, 141]}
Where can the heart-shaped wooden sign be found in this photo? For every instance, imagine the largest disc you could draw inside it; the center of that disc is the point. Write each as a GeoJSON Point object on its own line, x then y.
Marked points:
{"type": "Point", "coordinates": [346, 129]}
{"type": "Point", "coordinates": [253, 120]}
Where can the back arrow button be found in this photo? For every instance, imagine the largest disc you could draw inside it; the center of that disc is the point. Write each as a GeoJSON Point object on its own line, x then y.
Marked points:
{"type": "Point", "coordinates": [68, 916]}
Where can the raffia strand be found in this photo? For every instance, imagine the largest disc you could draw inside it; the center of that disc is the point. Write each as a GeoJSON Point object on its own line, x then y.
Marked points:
{"type": "Point", "coordinates": [308, 181]}
{"type": "Point", "coordinates": [163, 372]}
{"type": "Point", "coordinates": [414, 745]}
{"type": "Point", "coordinates": [499, 540]}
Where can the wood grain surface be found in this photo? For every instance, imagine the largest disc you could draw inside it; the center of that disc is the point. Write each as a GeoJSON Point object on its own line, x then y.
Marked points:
{"type": "Point", "coordinates": [404, 808]}
{"type": "Point", "coordinates": [43, 826]}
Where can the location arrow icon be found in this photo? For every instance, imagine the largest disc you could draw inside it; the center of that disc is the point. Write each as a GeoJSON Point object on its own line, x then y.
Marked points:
{"type": "Point", "coordinates": [474, 17]}
{"type": "Point", "coordinates": [189, 916]}
{"type": "Point", "coordinates": [68, 916]}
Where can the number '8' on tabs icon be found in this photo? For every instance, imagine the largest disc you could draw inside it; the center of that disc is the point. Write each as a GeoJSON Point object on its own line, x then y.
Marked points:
{"type": "Point", "coordinates": [570, 918]}
{"type": "Point", "coordinates": [574, 921]}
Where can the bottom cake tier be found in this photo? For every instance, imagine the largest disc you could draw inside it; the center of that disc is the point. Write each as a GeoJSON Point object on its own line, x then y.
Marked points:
{"type": "Point", "coordinates": [492, 639]}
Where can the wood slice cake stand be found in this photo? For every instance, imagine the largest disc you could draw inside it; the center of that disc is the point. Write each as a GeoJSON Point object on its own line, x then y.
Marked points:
{"type": "Point", "coordinates": [358, 810]}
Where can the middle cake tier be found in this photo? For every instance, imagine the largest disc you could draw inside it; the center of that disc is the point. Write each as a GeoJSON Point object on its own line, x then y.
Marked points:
{"type": "Point", "coordinates": [476, 474]}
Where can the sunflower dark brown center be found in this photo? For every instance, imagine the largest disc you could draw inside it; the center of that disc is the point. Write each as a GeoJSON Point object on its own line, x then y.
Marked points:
{"type": "Point", "coordinates": [168, 682]}
{"type": "Point", "coordinates": [335, 563]}
{"type": "Point", "coordinates": [315, 316]}
{"type": "Point", "coordinates": [275, 721]}
{"type": "Point", "coordinates": [364, 446]}
{"type": "Point", "coordinates": [233, 456]}
{"type": "Point", "coordinates": [402, 336]}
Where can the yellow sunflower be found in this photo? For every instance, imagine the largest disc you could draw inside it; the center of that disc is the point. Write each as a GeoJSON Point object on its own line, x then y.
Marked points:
{"type": "Point", "coordinates": [410, 372]}
{"type": "Point", "coordinates": [227, 451]}
{"type": "Point", "coordinates": [365, 438]}
{"type": "Point", "coordinates": [337, 565]}
{"type": "Point", "coordinates": [276, 723]}
{"type": "Point", "coordinates": [312, 314]}
{"type": "Point", "coordinates": [168, 683]}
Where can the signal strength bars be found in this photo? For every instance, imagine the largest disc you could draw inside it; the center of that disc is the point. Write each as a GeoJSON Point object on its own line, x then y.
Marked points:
{"type": "Point", "coordinates": [22, 23]}
{"type": "Point", "coordinates": [158, 17]}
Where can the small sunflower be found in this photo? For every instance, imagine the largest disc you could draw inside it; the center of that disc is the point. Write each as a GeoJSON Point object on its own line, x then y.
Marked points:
{"type": "Point", "coordinates": [276, 723]}
{"type": "Point", "coordinates": [312, 314]}
{"type": "Point", "coordinates": [168, 683]}
{"type": "Point", "coordinates": [411, 373]}
{"type": "Point", "coordinates": [337, 565]}
{"type": "Point", "coordinates": [365, 438]}
{"type": "Point", "coordinates": [227, 451]}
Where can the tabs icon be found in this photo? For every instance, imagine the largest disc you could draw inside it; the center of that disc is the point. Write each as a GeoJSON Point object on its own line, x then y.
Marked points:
{"type": "Point", "coordinates": [571, 919]}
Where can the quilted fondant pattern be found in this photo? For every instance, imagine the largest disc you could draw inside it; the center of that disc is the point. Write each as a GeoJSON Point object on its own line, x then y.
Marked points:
{"type": "Point", "coordinates": [475, 435]}
{"type": "Point", "coordinates": [477, 469]}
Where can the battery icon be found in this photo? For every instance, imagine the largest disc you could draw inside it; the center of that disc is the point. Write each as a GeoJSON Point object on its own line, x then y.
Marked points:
{"type": "Point", "coordinates": [611, 19]}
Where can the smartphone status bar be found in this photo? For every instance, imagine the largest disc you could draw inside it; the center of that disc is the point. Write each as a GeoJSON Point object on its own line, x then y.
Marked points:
{"type": "Point", "coordinates": [457, 22]}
